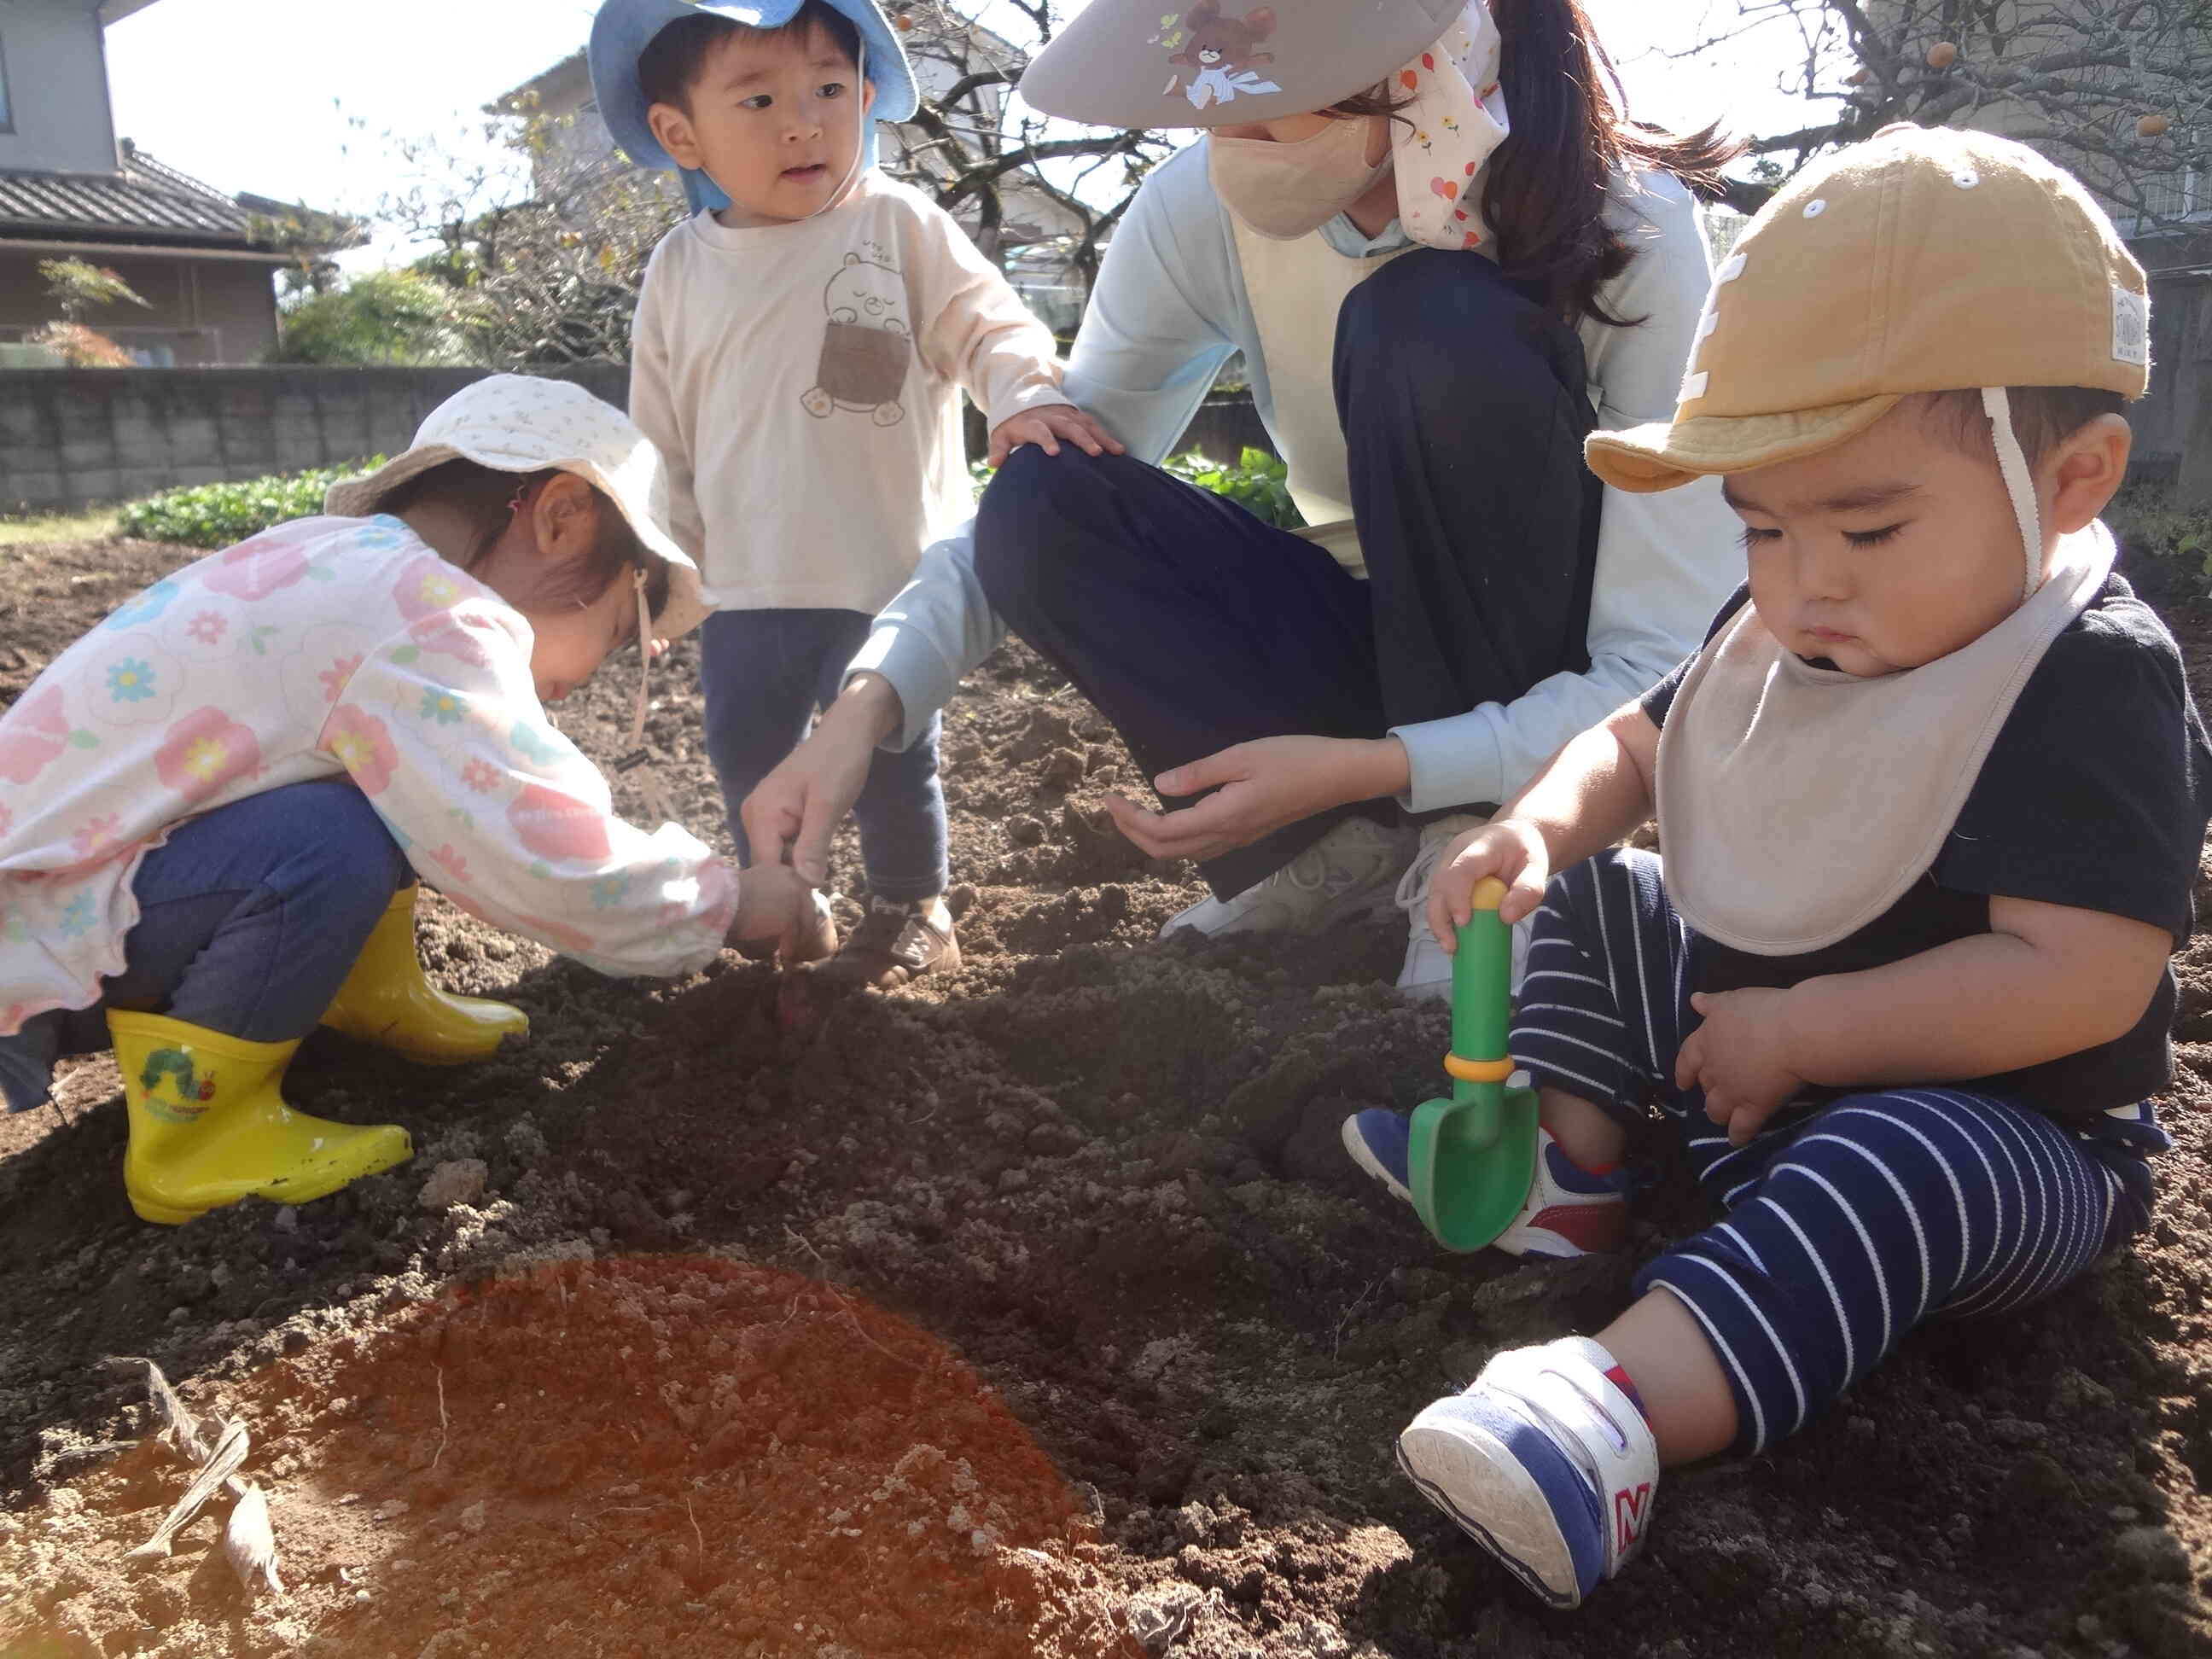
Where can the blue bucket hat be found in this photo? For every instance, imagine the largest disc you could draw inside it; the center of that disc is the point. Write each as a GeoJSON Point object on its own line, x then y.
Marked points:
{"type": "Point", "coordinates": [623, 29]}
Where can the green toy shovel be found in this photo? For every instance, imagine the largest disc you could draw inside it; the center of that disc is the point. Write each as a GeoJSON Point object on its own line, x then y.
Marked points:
{"type": "Point", "coordinates": [1472, 1157]}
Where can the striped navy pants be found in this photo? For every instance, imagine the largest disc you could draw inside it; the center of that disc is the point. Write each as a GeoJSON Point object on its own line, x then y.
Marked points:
{"type": "Point", "coordinates": [1847, 1223]}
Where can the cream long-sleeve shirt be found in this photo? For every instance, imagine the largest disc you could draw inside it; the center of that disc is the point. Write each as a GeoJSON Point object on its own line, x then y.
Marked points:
{"type": "Point", "coordinates": [803, 381]}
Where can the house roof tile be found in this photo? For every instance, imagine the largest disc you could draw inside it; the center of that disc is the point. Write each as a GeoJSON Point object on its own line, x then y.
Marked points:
{"type": "Point", "coordinates": [143, 200]}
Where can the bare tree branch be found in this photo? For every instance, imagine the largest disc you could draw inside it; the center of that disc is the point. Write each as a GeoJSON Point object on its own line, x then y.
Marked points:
{"type": "Point", "coordinates": [2120, 91]}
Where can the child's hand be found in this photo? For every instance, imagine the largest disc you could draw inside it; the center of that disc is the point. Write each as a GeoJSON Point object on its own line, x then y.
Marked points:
{"type": "Point", "coordinates": [1737, 1056]}
{"type": "Point", "coordinates": [772, 901]}
{"type": "Point", "coordinates": [1508, 849]}
{"type": "Point", "coordinates": [1045, 426]}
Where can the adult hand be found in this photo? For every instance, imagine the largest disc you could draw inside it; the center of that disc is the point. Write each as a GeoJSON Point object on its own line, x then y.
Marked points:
{"type": "Point", "coordinates": [799, 805]}
{"type": "Point", "coordinates": [1507, 850]}
{"type": "Point", "coordinates": [1260, 787]}
{"type": "Point", "coordinates": [1739, 1057]}
{"type": "Point", "coordinates": [1045, 427]}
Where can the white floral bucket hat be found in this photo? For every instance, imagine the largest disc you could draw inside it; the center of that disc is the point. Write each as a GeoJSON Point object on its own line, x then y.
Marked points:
{"type": "Point", "coordinates": [522, 424]}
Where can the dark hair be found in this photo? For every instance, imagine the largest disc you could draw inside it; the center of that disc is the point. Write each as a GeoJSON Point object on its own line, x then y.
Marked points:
{"type": "Point", "coordinates": [485, 497]}
{"type": "Point", "coordinates": [674, 59]}
{"type": "Point", "coordinates": [1546, 192]}
{"type": "Point", "coordinates": [2043, 418]}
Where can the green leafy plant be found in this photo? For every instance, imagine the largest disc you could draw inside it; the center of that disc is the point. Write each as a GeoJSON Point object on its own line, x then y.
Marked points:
{"type": "Point", "coordinates": [1259, 483]}
{"type": "Point", "coordinates": [380, 317]}
{"type": "Point", "coordinates": [215, 515]}
{"type": "Point", "coordinates": [76, 287]}
{"type": "Point", "coordinates": [2149, 522]}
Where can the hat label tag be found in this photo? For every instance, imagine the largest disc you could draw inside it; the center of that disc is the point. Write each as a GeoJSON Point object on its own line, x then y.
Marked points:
{"type": "Point", "coordinates": [2130, 327]}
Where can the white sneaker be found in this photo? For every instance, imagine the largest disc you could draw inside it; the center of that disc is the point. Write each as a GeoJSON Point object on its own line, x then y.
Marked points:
{"type": "Point", "coordinates": [1346, 875]}
{"type": "Point", "coordinates": [1545, 1462]}
{"type": "Point", "coordinates": [1428, 971]}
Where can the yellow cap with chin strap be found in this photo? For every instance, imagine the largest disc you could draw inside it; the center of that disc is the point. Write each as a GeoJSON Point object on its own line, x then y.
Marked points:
{"type": "Point", "coordinates": [1922, 260]}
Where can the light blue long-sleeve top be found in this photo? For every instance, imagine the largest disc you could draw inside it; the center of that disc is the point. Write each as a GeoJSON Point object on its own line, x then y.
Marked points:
{"type": "Point", "coordinates": [1169, 309]}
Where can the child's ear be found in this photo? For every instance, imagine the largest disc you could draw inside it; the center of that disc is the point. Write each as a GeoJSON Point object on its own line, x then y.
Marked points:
{"type": "Point", "coordinates": [566, 518]}
{"type": "Point", "coordinates": [2086, 472]}
{"type": "Point", "coordinates": [672, 128]}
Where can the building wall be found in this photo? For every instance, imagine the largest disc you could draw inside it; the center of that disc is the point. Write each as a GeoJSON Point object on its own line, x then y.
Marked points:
{"type": "Point", "coordinates": [55, 65]}
{"type": "Point", "coordinates": [72, 438]}
{"type": "Point", "coordinates": [201, 313]}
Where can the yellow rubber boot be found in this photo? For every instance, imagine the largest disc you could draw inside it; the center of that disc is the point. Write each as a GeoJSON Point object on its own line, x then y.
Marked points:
{"type": "Point", "coordinates": [387, 1000]}
{"type": "Point", "coordinates": [209, 1126]}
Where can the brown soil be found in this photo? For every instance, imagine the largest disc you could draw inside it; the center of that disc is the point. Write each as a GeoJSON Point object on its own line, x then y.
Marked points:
{"type": "Point", "coordinates": [1022, 1316]}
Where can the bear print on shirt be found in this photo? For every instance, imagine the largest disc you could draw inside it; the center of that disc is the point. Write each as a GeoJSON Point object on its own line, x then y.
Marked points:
{"type": "Point", "coordinates": [867, 345]}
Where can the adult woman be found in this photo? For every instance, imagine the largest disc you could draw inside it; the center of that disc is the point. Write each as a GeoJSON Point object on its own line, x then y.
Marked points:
{"type": "Point", "coordinates": [1444, 258]}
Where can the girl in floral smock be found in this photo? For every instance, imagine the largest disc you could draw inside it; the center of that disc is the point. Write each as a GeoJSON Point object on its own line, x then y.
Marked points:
{"type": "Point", "coordinates": [214, 806]}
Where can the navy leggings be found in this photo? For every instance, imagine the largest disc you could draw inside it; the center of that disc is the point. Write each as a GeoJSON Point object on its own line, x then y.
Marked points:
{"type": "Point", "coordinates": [764, 672]}
{"type": "Point", "coordinates": [1847, 1223]}
{"type": "Point", "coordinates": [250, 917]}
{"type": "Point", "coordinates": [1192, 625]}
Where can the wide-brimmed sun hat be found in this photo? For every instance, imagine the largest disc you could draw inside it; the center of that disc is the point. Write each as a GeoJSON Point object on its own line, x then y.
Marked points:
{"type": "Point", "coordinates": [1209, 62]}
{"type": "Point", "coordinates": [623, 29]}
{"type": "Point", "coordinates": [522, 424]}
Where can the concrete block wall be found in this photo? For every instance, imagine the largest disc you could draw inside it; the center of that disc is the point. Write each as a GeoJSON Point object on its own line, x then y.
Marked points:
{"type": "Point", "coordinates": [77, 438]}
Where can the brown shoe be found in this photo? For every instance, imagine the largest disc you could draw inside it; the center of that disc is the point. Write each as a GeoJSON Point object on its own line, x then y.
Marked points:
{"type": "Point", "coordinates": [896, 943]}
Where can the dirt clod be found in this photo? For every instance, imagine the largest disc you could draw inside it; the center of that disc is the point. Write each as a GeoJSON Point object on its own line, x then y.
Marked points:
{"type": "Point", "coordinates": [459, 1181]}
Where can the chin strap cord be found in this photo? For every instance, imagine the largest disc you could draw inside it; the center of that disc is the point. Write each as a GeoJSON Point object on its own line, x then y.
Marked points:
{"type": "Point", "coordinates": [636, 762]}
{"type": "Point", "coordinates": [2020, 484]}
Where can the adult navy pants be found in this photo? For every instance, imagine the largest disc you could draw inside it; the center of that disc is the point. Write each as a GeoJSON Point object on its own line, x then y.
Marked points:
{"type": "Point", "coordinates": [1193, 626]}
{"type": "Point", "coordinates": [764, 672]}
{"type": "Point", "coordinates": [250, 917]}
{"type": "Point", "coordinates": [1848, 1222]}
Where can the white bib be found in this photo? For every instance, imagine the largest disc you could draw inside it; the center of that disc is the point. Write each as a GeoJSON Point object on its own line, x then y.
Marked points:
{"type": "Point", "coordinates": [1796, 804]}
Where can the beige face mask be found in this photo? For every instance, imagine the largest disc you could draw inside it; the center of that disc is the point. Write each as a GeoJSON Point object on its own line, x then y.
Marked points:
{"type": "Point", "coordinates": [1284, 191]}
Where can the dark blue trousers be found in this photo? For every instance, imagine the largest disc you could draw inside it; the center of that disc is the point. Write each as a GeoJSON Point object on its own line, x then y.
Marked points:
{"type": "Point", "coordinates": [1193, 626]}
{"type": "Point", "coordinates": [764, 673]}
{"type": "Point", "coordinates": [1846, 1222]}
{"type": "Point", "coordinates": [249, 919]}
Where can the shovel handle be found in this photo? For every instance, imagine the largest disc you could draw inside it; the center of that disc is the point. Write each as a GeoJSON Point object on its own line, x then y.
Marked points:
{"type": "Point", "coordinates": [1482, 971]}
{"type": "Point", "coordinates": [1470, 1160]}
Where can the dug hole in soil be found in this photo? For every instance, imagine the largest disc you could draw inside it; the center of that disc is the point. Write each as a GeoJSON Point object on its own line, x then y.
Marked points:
{"type": "Point", "coordinates": [1035, 1313]}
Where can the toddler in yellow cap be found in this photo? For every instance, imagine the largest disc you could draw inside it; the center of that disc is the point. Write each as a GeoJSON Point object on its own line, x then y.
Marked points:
{"type": "Point", "coordinates": [1930, 802]}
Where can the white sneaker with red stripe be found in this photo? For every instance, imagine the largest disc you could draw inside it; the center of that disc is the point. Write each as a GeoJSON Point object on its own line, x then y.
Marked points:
{"type": "Point", "coordinates": [1569, 1210]}
{"type": "Point", "coordinates": [1545, 1462]}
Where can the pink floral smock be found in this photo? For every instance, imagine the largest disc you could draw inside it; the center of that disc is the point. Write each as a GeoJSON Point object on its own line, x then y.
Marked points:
{"type": "Point", "coordinates": [323, 647]}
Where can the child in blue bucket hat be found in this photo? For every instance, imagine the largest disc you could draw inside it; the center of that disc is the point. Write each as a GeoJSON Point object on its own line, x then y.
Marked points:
{"type": "Point", "coordinates": [799, 351]}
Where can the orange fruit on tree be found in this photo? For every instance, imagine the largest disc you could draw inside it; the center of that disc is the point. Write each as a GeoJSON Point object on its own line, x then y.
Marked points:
{"type": "Point", "coordinates": [1942, 55]}
{"type": "Point", "coordinates": [2153, 126]}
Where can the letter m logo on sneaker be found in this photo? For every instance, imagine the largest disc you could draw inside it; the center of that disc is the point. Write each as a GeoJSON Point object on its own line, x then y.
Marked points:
{"type": "Point", "coordinates": [1631, 1509]}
